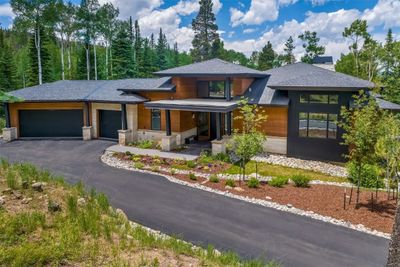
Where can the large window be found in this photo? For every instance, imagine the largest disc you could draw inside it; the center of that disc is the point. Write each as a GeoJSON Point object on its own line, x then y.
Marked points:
{"type": "Point", "coordinates": [217, 89]}
{"type": "Point", "coordinates": [156, 119]}
{"type": "Point", "coordinates": [319, 99]}
{"type": "Point", "coordinates": [318, 125]}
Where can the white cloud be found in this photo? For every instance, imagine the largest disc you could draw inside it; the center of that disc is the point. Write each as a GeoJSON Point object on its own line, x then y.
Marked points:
{"type": "Point", "coordinates": [319, 2]}
{"type": "Point", "coordinates": [287, 2]}
{"type": "Point", "coordinates": [133, 8]}
{"type": "Point", "coordinates": [249, 30]}
{"type": "Point", "coordinates": [6, 10]}
{"type": "Point", "coordinates": [259, 12]}
{"type": "Point", "coordinates": [385, 12]}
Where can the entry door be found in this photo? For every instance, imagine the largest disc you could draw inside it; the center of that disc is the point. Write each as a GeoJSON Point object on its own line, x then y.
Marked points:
{"type": "Point", "coordinates": [109, 123]}
{"type": "Point", "coordinates": [203, 126]}
{"type": "Point", "coordinates": [51, 123]}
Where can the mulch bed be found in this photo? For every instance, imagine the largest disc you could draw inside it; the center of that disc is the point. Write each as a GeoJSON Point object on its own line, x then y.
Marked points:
{"type": "Point", "coordinates": [326, 200]}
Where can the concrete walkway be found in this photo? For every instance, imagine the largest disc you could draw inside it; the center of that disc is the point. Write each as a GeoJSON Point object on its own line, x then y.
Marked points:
{"type": "Point", "coordinates": [151, 152]}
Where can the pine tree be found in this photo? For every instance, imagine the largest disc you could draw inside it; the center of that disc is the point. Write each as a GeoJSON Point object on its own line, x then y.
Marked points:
{"type": "Point", "coordinates": [123, 64]}
{"type": "Point", "coordinates": [137, 47]}
{"type": "Point", "coordinates": [147, 66]}
{"type": "Point", "coordinates": [161, 51]}
{"type": "Point", "coordinates": [176, 55]}
{"type": "Point", "coordinates": [217, 49]}
{"type": "Point", "coordinates": [266, 57]}
{"type": "Point", "coordinates": [310, 44]}
{"type": "Point", "coordinates": [388, 57]}
{"type": "Point", "coordinates": [7, 67]}
{"type": "Point", "coordinates": [288, 57]}
{"type": "Point", "coordinates": [205, 32]}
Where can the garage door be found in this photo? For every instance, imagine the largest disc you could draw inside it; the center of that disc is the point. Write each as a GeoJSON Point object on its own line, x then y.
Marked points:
{"type": "Point", "coordinates": [50, 123]}
{"type": "Point", "coordinates": [109, 123]}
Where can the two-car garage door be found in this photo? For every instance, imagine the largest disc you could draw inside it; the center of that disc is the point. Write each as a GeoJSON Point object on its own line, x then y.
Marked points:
{"type": "Point", "coordinates": [51, 123]}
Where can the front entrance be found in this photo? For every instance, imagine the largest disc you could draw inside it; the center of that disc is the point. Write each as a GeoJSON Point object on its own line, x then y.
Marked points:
{"type": "Point", "coordinates": [109, 123]}
{"type": "Point", "coordinates": [206, 126]}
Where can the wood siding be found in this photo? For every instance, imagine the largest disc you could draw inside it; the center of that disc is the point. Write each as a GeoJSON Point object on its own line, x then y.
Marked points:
{"type": "Point", "coordinates": [276, 123]}
{"type": "Point", "coordinates": [15, 107]}
{"type": "Point", "coordinates": [240, 85]}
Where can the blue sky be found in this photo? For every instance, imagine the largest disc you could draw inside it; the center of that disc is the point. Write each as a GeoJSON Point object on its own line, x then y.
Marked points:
{"type": "Point", "coordinates": [247, 25]}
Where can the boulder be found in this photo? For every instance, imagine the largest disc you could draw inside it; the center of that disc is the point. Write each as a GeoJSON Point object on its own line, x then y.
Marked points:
{"type": "Point", "coordinates": [17, 195]}
{"type": "Point", "coordinates": [37, 187]}
{"type": "Point", "coordinates": [239, 189]}
{"type": "Point", "coordinates": [26, 200]}
{"type": "Point", "coordinates": [268, 198]}
{"type": "Point", "coordinates": [228, 187]}
{"type": "Point", "coordinates": [81, 201]}
{"type": "Point", "coordinates": [25, 184]}
{"type": "Point", "coordinates": [53, 206]}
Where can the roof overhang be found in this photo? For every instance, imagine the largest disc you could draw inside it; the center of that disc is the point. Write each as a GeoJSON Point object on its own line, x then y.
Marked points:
{"type": "Point", "coordinates": [317, 88]}
{"type": "Point", "coordinates": [196, 105]}
{"type": "Point", "coordinates": [213, 74]}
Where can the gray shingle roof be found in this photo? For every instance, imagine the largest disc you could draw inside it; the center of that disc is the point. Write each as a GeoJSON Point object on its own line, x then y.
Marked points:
{"type": "Point", "coordinates": [259, 93]}
{"type": "Point", "coordinates": [212, 67]}
{"type": "Point", "coordinates": [302, 75]}
{"type": "Point", "coordinates": [93, 90]}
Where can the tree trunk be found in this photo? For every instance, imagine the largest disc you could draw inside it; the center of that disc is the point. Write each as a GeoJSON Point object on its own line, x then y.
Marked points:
{"type": "Point", "coordinates": [394, 247]}
{"type": "Point", "coordinates": [87, 62]}
{"type": "Point", "coordinates": [39, 55]}
{"type": "Point", "coordinates": [107, 72]}
{"type": "Point", "coordinates": [69, 62]}
{"type": "Point", "coordinates": [62, 59]}
{"type": "Point", "coordinates": [358, 184]}
{"type": "Point", "coordinates": [95, 61]}
{"type": "Point", "coordinates": [111, 63]}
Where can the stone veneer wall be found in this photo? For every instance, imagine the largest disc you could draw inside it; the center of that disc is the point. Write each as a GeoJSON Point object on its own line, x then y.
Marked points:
{"type": "Point", "coordinates": [157, 135]}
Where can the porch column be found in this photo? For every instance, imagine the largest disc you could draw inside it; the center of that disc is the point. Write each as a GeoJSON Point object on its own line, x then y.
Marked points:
{"type": "Point", "coordinates": [168, 122]}
{"type": "Point", "coordinates": [218, 122]}
{"type": "Point", "coordinates": [123, 117]}
{"type": "Point", "coordinates": [7, 113]}
{"type": "Point", "coordinates": [229, 123]}
{"type": "Point", "coordinates": [87, 130]}
{"type": "Point", "coordinates": [228, 89]}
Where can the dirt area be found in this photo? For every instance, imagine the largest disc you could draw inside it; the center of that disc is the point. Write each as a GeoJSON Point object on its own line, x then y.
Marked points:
{"type": "Point", "coordinates": [326, 200]}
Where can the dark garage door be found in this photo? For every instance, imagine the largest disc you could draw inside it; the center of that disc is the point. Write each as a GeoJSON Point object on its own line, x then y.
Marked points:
{"type": "Point", "coordinates": [51, 123]}
{"type": "Point", "coordinates": [110, 123]}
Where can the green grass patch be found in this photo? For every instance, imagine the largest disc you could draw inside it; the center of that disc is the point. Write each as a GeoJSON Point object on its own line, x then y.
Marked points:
{"type": "Point", "coordinates": [266, 169]}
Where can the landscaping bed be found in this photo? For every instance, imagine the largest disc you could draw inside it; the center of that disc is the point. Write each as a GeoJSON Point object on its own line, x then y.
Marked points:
{"type": "Point", "coordinates": [322, 199]}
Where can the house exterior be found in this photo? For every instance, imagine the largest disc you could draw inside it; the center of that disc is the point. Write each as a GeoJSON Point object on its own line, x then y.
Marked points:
{"type": "Point", "coordinates": [195, 102]}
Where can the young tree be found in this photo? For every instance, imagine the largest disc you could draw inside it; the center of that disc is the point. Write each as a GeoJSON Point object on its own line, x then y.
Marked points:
{"type": "Point", "coordinates": [361, 131]}
{"type": "Point", "coordinates": [35, 16]}
{"type": "Point", "coordinates": [249, 142]}
{"type": "Point", "coordinates": [394, 246]}
{"type": "Point", "coordinates": [267, 57]}
{"type": "Point", "coordinates": [346, 64]}
{"type": "Point", "coordinates": [389, 55]}
{"type": "Point", "coordinates": [205, 32]}
{"type": "Point", "coordinates": [310, 44]}
{"type": "Point", "coordinates": [357, 32]}
{"type": "Point", "coordinates": [288, 57]}
{"type": "Point", "coordinates": [176, 55]}
{"type": "Point", "coordinates": [370, 55]}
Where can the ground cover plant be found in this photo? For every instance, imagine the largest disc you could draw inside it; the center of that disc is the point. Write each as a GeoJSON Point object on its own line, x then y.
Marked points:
{"type": "Point", "coordinates": [278, 181]}
{"type": "Point", "coordinates": [83, 229]}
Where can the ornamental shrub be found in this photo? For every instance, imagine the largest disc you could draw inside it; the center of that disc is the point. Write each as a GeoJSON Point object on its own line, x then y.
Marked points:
{"type": "Point", "coordinates": [230, 182]}
{"type": "Point", "coordinates": [253, 183]}
{"type": "Point", "coordinates": [192, 177]}
{"type": "Point", "coordinates": [190, 164]}
{"type": "Point", "coordinates": [138, 165]}
{"type": "Point", "coordinates": [214, 178]}
{"type": "Point", "coordinates": [278, 181]}
{"type": "Point", "coordinates": [370, 175]}
{"type": "Point", "coordinates": [301, 180]}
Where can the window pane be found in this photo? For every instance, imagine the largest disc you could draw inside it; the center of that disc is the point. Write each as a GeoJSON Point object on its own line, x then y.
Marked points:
{"type": "Point", "coordinates": [217, 89]}
{"type": "Point", "coordinates": [317, 125]}
{"type": "Point", "coordinates": [333, 99]}
{"type": "Point", "coordinates": [319, 99]}
{"type": "Point", "coordinates": [304, 99]}
{"type": "Point", "coordinates": [332, 126]}
{"type": "Point", "coordinates": [156, 119]}
{"type": "Point", "coordinates": [303, 124]}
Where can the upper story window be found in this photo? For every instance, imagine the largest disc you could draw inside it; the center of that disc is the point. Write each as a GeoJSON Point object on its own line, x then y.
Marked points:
{"type": "Point", "coordinates": [216, 89]}
{"type": "Point", "coordinates": [156, 119]}
{"type": "Point", "coordinates": [319, 99]}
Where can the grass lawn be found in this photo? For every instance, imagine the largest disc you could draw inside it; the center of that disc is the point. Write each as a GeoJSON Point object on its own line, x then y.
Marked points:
{"type": "Point", "coordinates": [266, 169]}
{"type": "Point", "coordinates": [86, 231]}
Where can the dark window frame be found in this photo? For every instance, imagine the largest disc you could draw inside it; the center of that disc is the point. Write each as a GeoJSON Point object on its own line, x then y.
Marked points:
{"type": "Point", "coordinates": [332, 99]}
{"type": "Point", "coordinates": [327, 123]}
{"type": "Point", "coordinates": [154, 112]}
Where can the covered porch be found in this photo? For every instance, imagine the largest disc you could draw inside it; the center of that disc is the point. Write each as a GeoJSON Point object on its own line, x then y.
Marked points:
{"type": "Point", "coordinates": [213, 120]}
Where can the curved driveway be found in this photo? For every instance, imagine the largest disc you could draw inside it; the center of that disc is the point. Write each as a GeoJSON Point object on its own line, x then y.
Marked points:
{"type": "Point", "coordinates": [202, 217]}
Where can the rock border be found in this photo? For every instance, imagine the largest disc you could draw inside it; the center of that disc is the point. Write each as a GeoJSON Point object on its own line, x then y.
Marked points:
{"type": "Point", "coordinates": [110, 160]}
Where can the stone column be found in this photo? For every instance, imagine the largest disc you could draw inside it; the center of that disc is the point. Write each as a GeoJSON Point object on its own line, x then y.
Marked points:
{"type": "Point", "coordinates": [10, 134]}
{"type": "Point", "coordinates": [124, 137]}
{"type": "Point", "coordinates": [87, 133]}
{"type": "Point", "coordinates": [168, 142]}
{"type": "Point", "coordinates": [218, 146]}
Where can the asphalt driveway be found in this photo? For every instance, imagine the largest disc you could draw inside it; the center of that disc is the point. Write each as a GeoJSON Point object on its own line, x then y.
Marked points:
{"type": "Point", "coordinates": [201, 217]}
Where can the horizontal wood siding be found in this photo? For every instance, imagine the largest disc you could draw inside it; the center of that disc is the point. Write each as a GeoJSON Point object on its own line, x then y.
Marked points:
{"type": "Point", "coordinates": [276, 123]}
{"type": "Point", "coordinates": [240, 85]}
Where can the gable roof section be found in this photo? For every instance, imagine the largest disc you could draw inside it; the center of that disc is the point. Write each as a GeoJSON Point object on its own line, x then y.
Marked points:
{"type": "Point", "coordinates": [212, 67]}
{"type": "Point", "coordinates": [147, 84]}
{"type": "Point", "coordinates": [306, 76]}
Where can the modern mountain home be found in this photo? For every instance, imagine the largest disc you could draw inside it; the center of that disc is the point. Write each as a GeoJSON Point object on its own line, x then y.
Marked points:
{"type": "Point", "coordinates": [194, 103]}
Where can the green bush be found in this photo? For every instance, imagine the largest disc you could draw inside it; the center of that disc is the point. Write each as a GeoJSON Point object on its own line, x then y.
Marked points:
{"type": "Point", "coordinates": [230, 182]}
{"type": "Point", "coordinates": [192, 177]}
{"type": "Point", "coordinates": [301, 180]}
{"type": "Point", "coordinates": [369, 175]}
{"type": "Point", "coordinates": [214, 178]}
{"type": "Point", "coordinates": [173, 171]}
{"type": "Point", "coordinates": [278, 181]}
{"type": "Point", "coordinates": [138, 165]}
{"type": "Point", "coordinates": [2, 124]}
{"type": "Point", "coordinates": [253, 183]}
{"type": "Point", "coordinates": [145, 144]}
{"type": "Point", "coordinates": [190, 164]}
{"type": "Point", "coordinates": [222, 157]}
